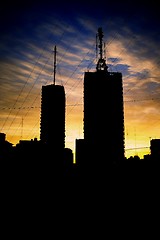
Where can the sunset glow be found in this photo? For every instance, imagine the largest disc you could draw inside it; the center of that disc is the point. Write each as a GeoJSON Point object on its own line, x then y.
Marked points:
{"type": "Point", "coordinates": [26, 64]}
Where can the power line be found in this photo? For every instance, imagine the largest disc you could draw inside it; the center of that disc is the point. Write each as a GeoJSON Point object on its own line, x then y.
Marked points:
{"type": "Point", "coordinates": [77, 104]}
{"type": "Point", "coordinates": [128, 149]}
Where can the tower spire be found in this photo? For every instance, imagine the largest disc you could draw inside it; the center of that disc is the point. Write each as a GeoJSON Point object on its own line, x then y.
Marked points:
{"type": "Point", "coordinates": [101, 64]}
{"type": "Point", "coordinates": [54, 65]}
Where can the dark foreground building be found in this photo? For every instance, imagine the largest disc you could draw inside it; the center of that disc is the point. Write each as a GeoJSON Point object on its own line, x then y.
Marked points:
{"type": "Point", "coordinates": [52, 129]}
{"type": "Point", "coordinates": [103, 115]}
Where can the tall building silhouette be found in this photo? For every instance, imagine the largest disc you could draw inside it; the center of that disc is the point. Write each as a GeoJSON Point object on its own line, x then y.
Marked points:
{"type": "Point", "coordinates": [52, 129]}
{"type": "Point", "coordinates": [53, 116]}
{"type": "Point", "coordinates": [103, 111]}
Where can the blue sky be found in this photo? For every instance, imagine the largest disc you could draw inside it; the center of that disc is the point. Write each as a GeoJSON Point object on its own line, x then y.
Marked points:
{"type": "Point", "coordinates": [29, 32]}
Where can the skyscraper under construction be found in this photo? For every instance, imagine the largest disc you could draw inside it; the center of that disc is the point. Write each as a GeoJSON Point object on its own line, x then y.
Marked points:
{"type": "Point", "coordinates": [103, 111]}
{"type": "Point", "coordinates": [52, 129]}
{"type": "Point", "coordinates": [53, 116]}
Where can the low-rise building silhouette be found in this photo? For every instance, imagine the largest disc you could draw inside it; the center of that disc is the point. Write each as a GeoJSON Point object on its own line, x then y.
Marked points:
{"type": "Point", "coordinates": [155, 149]}
{"type": "Point", "coordinates": [5, 147]}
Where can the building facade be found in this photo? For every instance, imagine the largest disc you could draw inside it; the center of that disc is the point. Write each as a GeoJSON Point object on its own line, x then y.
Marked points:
{"type": "Point", "coordinates": [104, 115]}
{"type": "Point", "coordinates": [52, 125]}
{"type": "Point", "coordinates": [103, 112]}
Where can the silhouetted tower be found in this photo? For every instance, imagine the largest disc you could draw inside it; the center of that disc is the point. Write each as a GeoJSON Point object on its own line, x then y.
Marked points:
{"type": "Point", "coordinates": [103, 111]}
{"type": "Point", "coordinates": [52, 129]}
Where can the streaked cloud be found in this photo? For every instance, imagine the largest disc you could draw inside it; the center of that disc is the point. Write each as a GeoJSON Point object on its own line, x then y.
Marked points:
{"type": "Point", "coordinates": [26, 63]}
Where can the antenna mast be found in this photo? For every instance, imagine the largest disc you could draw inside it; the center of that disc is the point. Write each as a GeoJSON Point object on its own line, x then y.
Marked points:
{"type": "Point", "coordinates": [54, 65]}
{"type": "Point", "coordinates": [101, 64]}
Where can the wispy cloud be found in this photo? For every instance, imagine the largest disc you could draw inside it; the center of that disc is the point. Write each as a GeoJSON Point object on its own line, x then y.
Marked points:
{"type": "Point", "coordinates": [26, 63]}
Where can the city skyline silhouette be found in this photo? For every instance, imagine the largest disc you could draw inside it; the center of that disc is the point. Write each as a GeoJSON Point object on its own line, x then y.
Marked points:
{"type": "Point", "coordinates": [27, 64]}
{"type": "Point", "coordinates": [79, 134]}
{"type": "Point", "coordinates": [101, 67]}
{"type": "Point", "coordinates": [103, 145]}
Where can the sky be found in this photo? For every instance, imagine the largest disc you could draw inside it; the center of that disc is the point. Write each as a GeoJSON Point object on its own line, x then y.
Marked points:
{"type": "Point", "coordinates": [30, 30]}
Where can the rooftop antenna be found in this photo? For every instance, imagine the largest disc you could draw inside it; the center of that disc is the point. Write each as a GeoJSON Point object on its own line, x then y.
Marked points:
{"type": "Point", "coordinates": [101, 64]}
{"type": "Point", "coordinates": [54, 64]}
